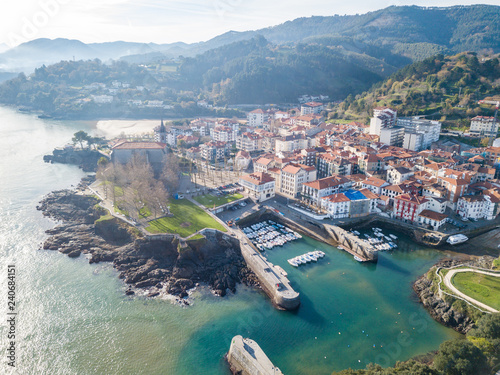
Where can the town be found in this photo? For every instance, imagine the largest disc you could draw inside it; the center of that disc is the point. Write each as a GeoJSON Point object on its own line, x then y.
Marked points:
{"type": "Point", "coordinates": [396, 167]}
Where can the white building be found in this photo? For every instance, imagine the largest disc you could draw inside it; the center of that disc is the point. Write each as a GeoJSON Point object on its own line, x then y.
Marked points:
{"type": "Point", "coordinates": [249, 142]}
{"type": "Point", "coordinates": [383, 117]}
{"type": "Point", "coordinates": [315, 190]}
{"type": "Point", "coordinates": [432, 218]}
{"type": "Point", "coordinates": [392, 136]}
{"type": "Point", "coordinates": [101, 99]}
{"type": "Point", "coordinates": [483, 125]}
{"type": "Point", "coordinates": [311, 108]}
{"type": "Point", "coordinates": [259, 185]}
{"type": "Point", "coordinates": [476, 207]}
{"type": "Point", "coordinates": [337, 205]}
{"type": "Point", "coordinates": [291, 143]}
{"type": "Point", "coordinates": [419, 133]}
{"type": "Point", "coordinates": [293, 176]}
{"type": "Point", "coordinates": [257, 117]}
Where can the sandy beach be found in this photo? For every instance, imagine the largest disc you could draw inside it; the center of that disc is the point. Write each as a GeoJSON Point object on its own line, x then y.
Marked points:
{"type": "Point", "coordinates": [114, 128]}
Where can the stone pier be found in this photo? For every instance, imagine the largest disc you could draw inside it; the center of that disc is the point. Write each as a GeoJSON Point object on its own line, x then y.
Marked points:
{"type": "Point", "coordinates": [272, 281]}
{"type": "Point", "coordinates": [245, 357]}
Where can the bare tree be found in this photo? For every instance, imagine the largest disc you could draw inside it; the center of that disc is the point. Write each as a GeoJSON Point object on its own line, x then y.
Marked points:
{"type": "Point", "coordinates": [170, 173]}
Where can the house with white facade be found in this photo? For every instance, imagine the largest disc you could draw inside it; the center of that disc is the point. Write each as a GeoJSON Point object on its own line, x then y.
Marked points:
{"type": "Point", "coordinates": [292, 177]}
{"type": "Point", "coordinates": [315, 190]}
{"type": "Point", "coordinates": [432, 218]}
{"type": "Point", "coordinates": [484, 125]}
{"type": "Point", "coordinates": [311, 108]}
{"type": "Point", "coordinates": [257, 117]}
{"type": "Point", "coordinates": [258, 185]}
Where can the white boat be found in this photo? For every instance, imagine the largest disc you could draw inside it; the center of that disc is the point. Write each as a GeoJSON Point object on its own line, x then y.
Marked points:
{"type": "Point", "coordinates": [357, 258]}
{"type": "Point", "coordinates": [393, 236]}
{"type": "Point", "coordinates": [293, 262]}
{"type": "Point", "coordinates": [312, 256]}
{"type": "Point", "coordinates": [456, 239]}
{"type": "Point", "coordinates": [356, 232]}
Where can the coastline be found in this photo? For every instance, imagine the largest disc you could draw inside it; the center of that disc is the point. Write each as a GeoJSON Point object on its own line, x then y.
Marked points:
{"type": "Point", "coordinates": [450, 312]}
{"type": "Point", "coordinates": [161, 264]}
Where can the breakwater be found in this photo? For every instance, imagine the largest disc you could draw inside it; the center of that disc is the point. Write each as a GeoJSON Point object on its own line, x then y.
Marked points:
{"type": "Point", "coordinates": [245, 357]}
{"type": "Point", "coordinates": [272, 281]}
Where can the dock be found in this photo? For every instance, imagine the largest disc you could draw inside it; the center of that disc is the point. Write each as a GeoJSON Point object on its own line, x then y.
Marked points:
{"type": "Point", "coordinates": [245, 357]}
{"type": "Point", "coordinates": [271, 279]}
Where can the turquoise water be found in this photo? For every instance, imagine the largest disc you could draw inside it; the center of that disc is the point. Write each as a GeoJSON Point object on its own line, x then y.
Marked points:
{"type": "Point", "coordinates": [73, 318]}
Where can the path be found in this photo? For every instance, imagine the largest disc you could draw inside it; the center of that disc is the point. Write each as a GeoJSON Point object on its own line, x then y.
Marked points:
{"type": "Point", "coordinates": [449, 285]}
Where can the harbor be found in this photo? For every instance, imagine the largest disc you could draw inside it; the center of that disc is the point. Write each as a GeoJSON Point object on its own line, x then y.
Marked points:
{"type": "Point", "coordinates": [266, 235]}
{"type": "Point", "coordinates": [309, 257]}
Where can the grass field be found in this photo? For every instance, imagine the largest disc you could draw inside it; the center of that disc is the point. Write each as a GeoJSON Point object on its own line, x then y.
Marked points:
{"type": "Point", "coordinates": [188, 218]}
{"type": "Point", "coordinates": [208, 200]}
{"type": "Point", "coordinates": [484, 288]}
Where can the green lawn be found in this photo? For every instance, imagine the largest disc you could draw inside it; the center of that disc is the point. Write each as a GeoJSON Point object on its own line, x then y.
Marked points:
{"type": "Point", "coordinates": [208, 200]}
{"type": "Point", "coordinates": [484, 288]}
{"type": "Point", "coordinates": [188, 218]}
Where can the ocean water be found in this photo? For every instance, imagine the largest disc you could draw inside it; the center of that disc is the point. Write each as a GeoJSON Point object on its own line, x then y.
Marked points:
{"type": "Point", "coordinates": [73, 318]}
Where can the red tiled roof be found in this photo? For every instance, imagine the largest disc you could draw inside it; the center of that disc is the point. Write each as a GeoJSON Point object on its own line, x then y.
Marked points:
{"type": "Point", "coordinates": [258, 178]}
{"type": "Point", "coordinates": [433, 215]}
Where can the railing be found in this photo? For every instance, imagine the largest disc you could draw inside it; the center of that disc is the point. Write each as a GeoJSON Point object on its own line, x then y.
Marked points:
{"type": "Point", "coordinates": [454, 296]}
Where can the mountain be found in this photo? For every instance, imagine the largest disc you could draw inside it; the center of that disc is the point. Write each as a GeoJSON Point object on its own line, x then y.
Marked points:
{"type": "Point", "coordinates": [406, 31]}
{"type": "Point", "coordinates": [410, 32]}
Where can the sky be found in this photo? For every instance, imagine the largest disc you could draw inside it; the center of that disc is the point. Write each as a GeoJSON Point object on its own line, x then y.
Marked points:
{"type": "Point", "coordinates": [165, 21]}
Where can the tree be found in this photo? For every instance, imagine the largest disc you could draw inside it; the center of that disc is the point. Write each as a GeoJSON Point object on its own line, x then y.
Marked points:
{"type": "Point", "coordinates": [170, 172]}
{"type": "Point", "coordinates": [460, 357]}
{"type": "Point", "coordinates": [80, 137]}
{"type": "Point", "coordinates": [488, 327]}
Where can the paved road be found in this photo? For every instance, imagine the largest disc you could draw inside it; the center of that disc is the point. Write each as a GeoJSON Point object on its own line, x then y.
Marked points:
{"type": "Point", "coordinates": [449, 285]}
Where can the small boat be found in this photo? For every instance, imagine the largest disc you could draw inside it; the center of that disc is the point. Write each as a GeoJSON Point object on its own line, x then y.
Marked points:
{"type": "Point", "coordinates": [293, 262]}
{"type": "Point", "coordinates": [456, 239]}
{"type": "Point", "coordinates": [357, 258]}
{"type": "Point", "coordinates": [393, 236]}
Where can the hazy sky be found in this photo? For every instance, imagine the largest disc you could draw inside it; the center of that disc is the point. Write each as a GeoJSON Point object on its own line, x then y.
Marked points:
{"type": "Point", "coordinates": [165, 21]}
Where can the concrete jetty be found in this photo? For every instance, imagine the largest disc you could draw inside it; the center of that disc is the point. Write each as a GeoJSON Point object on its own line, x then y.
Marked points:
{"type": "Point", "coordinates": [245, 357]}
{"type": "Point", "coordinates": [352, 244]}
{"type": "Point", "coordinates": [274, 283]}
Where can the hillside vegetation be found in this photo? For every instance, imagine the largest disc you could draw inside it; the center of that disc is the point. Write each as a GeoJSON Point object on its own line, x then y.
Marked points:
{"type": "Point", "coordinates": [442, 87]}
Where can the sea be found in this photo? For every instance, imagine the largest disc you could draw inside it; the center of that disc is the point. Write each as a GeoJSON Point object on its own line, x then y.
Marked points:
{"type": "Point", "coordinates": [72, 317]}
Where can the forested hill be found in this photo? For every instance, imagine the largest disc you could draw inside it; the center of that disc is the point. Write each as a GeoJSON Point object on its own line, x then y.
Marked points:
{"type": "Point", "coordinates": [416, 32]}
{"type": "Point", "coordinates": [445, 87]}
{"type": "Point", "coordinates": [256, 71]}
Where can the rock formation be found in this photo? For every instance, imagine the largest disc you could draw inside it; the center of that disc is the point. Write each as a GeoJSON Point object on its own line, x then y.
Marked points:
{"type": "Point", "coordinates": [163, 263]}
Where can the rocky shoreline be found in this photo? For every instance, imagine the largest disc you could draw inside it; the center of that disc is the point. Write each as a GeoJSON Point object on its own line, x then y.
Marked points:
{"type": "Point", "coordinates": [447, 310]}
{"type": "Point", "coordinates": [161, 264]}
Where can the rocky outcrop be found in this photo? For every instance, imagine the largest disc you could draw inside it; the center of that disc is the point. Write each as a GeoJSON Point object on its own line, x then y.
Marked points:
{"type": "Point", "coordinates": [159, 264]}
{"type": "Point", "coordinates": [446, 310]}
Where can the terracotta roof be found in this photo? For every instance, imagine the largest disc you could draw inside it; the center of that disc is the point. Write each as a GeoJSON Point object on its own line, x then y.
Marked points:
{"type": "Point", "coordinates": [263, 161]}
{"type": "Point", "coordinates": [374, 181]}
{"type": "Point", "coordinates": [433, 215]}
{"type": "Point", "coordinates": [293, 169]}
{"type": "Point", "coordinates": [367, 193]}
{"type": "Point", "coordinates": [337, 198]}
{"type": "Point", "coordinates": [257, 178]}
{"type": "Point", "coordinates": [326, 182]}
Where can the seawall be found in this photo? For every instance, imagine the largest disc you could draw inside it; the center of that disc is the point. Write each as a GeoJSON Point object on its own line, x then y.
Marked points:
{"type": "Point", "coordinates": [245, 357]}
{"type": "Point", "coordinates": [273, 283]}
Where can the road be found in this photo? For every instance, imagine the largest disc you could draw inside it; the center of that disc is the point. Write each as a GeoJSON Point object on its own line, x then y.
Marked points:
{"type": "Point", "coordinates": [449, 285]}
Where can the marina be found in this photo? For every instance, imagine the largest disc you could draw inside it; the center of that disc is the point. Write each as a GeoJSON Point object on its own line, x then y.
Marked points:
{"type": "Point", "coordinates": [268, 234]}
{"type": "Point", "coordinates": [380, 241]}
{"type": "Point", "coordinates": [311, 256]}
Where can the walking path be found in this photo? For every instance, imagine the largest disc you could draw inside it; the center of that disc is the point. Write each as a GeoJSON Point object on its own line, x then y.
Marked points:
{"type": "Point", "coordinates": [449, 285]}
